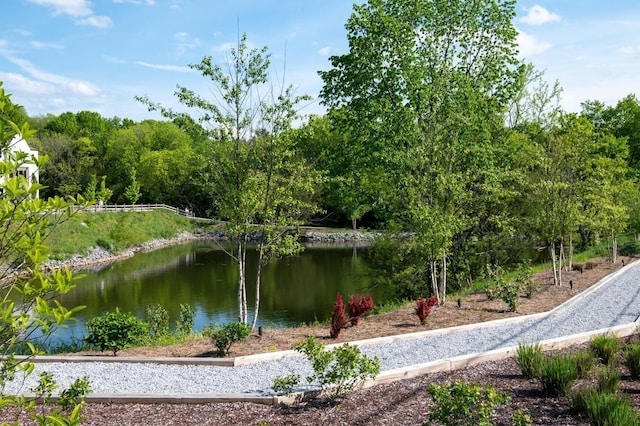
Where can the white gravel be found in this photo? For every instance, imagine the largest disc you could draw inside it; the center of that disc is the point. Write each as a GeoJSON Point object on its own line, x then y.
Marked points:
{"type": "Point", "coordinates": [617, 302]}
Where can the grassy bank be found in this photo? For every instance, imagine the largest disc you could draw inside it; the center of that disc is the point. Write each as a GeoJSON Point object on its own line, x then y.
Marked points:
{"type": "Point", "coordinates": [116, 231]}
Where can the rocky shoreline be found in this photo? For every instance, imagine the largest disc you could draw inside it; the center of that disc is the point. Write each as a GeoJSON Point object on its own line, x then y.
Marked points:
{"type": "Point", "coordinates": [98, 256]}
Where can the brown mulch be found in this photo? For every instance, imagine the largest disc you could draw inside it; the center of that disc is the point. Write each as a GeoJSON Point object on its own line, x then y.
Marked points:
{"type": "Point", "coordinates": [404, 402]}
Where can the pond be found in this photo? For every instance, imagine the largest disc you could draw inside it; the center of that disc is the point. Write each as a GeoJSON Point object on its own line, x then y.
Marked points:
{"type": "Point", "coordinates": [294, 290]}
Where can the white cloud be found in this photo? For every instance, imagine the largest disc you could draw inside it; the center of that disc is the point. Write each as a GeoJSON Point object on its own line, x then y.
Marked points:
{"type": "Point", "coordinates": [174, 68]}
{"type": "Point", "coordinates": [43, 45]}
{"type": "Point", "coordinates": [629, 50]}
{"type": "Point", "coordinates": [96, 21]}
{"type": "Point", "coordinates": [66, 7]}
{"type": "Point", "coordinates": [325, 51]}
{"type": "Point", "coordinates": [538, 15]}
{"type": "Point", "coordinates": [185, 42]}
{"type": "Point", "coordinates": [78, 9]}
{"type": "Point", "coordinates": [148, 2]}
{"type": "Point", "coordinates": [21, 83]}
{"type": "Point", "coordinates": [61, 83]}
{"type": "Point", "coordinates": [530, 46]}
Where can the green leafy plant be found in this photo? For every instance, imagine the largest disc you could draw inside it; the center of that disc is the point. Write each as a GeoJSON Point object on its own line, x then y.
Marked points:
{"type": "Point", "coordinates": [115, 330]}
{"type": "Point", "coordinates": [224, 337]}
{"type": "Point", "coordinates": [525, 281]}
{"type": "Point", "coordinates": [284, 385]}
{"type": "Point", "coordinates": [462, 403]}
{"type": "Point", "coordinates": [339, 370]}
{"type": "Point", "coordinates": [529, 358]}
{"type": "Point", "coordinates": [520, 418]}
{"type": "Point", "coordinates": [158, 320]}
{"type": "Point", "coordinates": [557, 374]}
{"type": "Point", "coordinates": [605, 347]}
{"type": "Point", "coordinates": [74, 394]}
{"type": "Point", "coordinates": [632, 359]}
{"type": "Point", "coordinates": [184, 325]}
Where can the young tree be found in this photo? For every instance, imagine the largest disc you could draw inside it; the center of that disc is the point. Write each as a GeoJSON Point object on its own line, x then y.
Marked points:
{"type": "Point", "coordinates": [421, 89]}
{"type": "Point", "coordinates": [28, 306]}
{"type": "Point", "coordinates": [261, 186]}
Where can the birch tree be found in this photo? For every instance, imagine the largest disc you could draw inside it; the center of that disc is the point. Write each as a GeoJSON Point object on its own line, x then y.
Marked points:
{"type": "Point", "coordinates": [261, 187]}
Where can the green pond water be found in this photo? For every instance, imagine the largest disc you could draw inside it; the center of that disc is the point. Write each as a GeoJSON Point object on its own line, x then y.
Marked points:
{"type": "Point", "coordinates": [294, 290]}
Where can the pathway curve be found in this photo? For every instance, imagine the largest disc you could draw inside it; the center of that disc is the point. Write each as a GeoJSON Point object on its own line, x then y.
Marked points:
{"type": "Point", "coordinates": [614, 301]}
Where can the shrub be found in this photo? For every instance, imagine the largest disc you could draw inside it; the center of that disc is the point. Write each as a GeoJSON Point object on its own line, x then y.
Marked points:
{"type": "Point", "coordinates": [224, 337]}
{"type": "Point", "coordinates": [529, 359]}
{"type": "Point", "coordinates": [158, 320]}
{"type": "Point", "coordinates": [520, 418]}
{"type": "Point", "coordinates": [74, 394]}
{"type": "Point", "coordinates": [359, 305]}
{"type": "Point", "coordinates": [607, 409]}
{"type": "Point", "coordinates": [338, 317]}
{"type": "Point", "coordinates": [605, 347]}
{"type": "Point", "coordinates": [630, 248]}
{"type": "Point", "coordinates": [115, 330]}
{"type": "Point", "coordinates": [423, 307]}
{"type": "Point", "coordinates": [284, 385]}
{"type": "Point", "coordinates": [339, 370]}
{"type": "Point", "coordinates": [632, 359]}
{"type": "Point", "coordinates": [557, 374]}
{"type": "Point", "coordinates": [184, 325]}
{"type": "Point", "coordinates": [461, 403]}
{"type": "Point", "coordinates": [608, 378]}
{"type": "Point", "coordinates": [584, 362]}
{"type": "Point", "coordinates": [524, 277]}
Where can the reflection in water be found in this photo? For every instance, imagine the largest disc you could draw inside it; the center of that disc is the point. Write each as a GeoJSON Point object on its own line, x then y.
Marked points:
{"type": "Point", "coordinates": [294, 290]}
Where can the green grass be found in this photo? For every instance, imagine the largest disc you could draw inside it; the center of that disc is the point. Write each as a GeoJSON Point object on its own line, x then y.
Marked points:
{"type": "Point", "coordinates": [117, 230]}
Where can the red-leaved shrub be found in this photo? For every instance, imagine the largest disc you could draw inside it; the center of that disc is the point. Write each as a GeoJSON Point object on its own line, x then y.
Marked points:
{"type": "Point", "coordinates": [423, 307]}
{"type": "Point", "coordinates": [358, 306]}
{"type": "Point", "coordinates": [338, 317]}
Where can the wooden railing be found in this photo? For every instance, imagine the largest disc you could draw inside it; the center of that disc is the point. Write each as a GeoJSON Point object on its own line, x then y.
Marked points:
{"type": "Point", "coordinates": [139, 208]}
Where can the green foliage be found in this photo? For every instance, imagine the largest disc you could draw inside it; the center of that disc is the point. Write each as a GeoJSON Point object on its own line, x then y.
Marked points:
{"type": "Point", "coordinates": [606, 409]}
{"type": "Point", "coordinates": [520, 418]}
{"type": "Point", "coordinates": [530, 359]}
{"type": "Point", "coordinates": [339, 370]}
{"type": "Point", "coordinates": [115, 330]}
{"type": "Point", "coordinates": [632, 359]}
{"type": "Point", "coordinates": [132, 191]}
{"type": "Point", "coordinates": [72, 396]}
{"type": "Point", "coordinates": [284, 385]}
{"type": "Point", "coordinates": [608, 378]}
{"type": "Point", "coordinates": [605, 348]}
{"type": "Point", "coordinates": [158, 321]}
{"type": "Point", "coordinates": [509, 291]}
{"type": "Point", "coordinates": [184, 325]}
{"type": "Point", "coordinates": [557, 374]}
{"type": "Point", "coordinates": [29, 303]}
{"type": "Point", "coordinates": [585, 362]}
{"type": "Point", "coordinates": [223, 337]}
{"type": "Point", "coordinates": [630, 248]}
{"type": "Point", "coordinates": [461, 403]}
{"type": "Point", "coordinates": [104, 194]}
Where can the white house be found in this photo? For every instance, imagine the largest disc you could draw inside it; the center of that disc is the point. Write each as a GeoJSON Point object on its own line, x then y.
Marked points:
{"type": "Point", "coordinates": [29, 171]}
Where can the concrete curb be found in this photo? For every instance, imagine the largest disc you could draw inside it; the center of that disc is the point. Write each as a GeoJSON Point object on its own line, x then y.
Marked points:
{"type": "Point", "coordinates": [388, 376]}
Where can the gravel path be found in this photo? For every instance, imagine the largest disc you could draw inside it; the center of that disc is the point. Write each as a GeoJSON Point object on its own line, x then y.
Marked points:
{"type": "Point", "coordinates": [616, 302]}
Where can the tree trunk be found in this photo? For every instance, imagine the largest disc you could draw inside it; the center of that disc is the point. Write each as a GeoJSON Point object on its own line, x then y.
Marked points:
{"type": "Point", "coordinates": [560, 262]}
{"type": "Point", "coordinates": [256, 306]}
{"type": "Point", "coordinates": [354, 224]}
{"type": "Point", "coordinates": [242, 279]}
{"type": "Point", "coordinates": [443, 280]}
{"type": "Point", "coordinates": [554, 265]}
{"type": "Point", "coordinates": [614, 247]}
{"type": "Point", "coordinates": [434, 280]}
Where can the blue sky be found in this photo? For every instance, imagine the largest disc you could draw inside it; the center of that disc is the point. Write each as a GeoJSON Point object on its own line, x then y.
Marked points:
{"type": "Point", "coordinates": [73, 55]}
